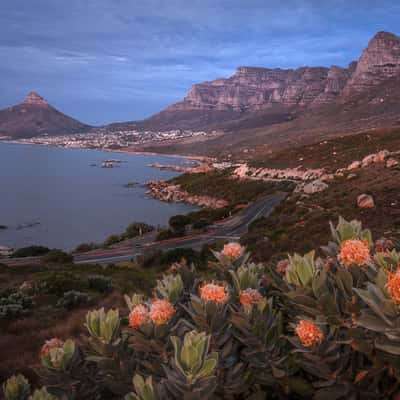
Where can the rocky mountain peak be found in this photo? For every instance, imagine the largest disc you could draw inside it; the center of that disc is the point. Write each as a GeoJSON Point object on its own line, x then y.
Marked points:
{"type": "Point", "coordinates": [379, 61]}
{"type": "Point", "coordinates": [34, 98]}
{"type": "Point", "coordinates": [387, 36]}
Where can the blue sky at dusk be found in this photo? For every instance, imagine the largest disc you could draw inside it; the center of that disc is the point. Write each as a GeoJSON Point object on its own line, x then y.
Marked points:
{"type": "Point", "coordinates": [102, 61]}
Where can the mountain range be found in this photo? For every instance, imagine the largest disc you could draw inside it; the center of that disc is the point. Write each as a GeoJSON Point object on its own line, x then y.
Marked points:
{"type": "Point", "coordinates": [258, 106]}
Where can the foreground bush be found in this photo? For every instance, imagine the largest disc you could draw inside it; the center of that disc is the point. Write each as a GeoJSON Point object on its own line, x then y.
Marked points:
{"type": "Point", "coordinates": [309, 327]}
{"type": "Point", "coordinates": [15, 305]}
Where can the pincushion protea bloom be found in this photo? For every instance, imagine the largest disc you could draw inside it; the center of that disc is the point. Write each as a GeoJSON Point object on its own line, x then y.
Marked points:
{"type": "Point", "coordinates": [161, 311]}
{"type": "Point", "coordinates": [354, 251]}
{"type": "Point", "coordinates": [232, 250]}
{"type": "Point", "coordinates": [51, 344]}
{"type": "Point", "coordinates": [393, 286]}
{"type": "Point", "coordinates": [309, 334]}
{"type": "Point", "coordinates": [212, 292]}
{"type": "Point", "coordinates": [249, 297]}
{"type": "Point", "coordinates": [138, 316]}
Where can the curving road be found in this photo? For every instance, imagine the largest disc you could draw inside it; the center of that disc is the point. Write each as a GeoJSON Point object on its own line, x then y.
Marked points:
{"type": "Point", "coordinates": [229, 229]}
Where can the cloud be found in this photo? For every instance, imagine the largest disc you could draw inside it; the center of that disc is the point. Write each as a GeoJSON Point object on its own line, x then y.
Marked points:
{"type": "Point", "coordinates": [102, 60]}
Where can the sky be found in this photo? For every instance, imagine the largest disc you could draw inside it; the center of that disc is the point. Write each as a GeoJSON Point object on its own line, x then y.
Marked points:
{"type": "Point", "coordinates": [103, 61]}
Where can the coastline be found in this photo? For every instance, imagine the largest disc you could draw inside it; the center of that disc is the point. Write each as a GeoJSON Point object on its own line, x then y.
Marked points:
{"type": "Point", "coordinates": [40, 239]}
{"type": "Point", "coordinates": [125, 151]}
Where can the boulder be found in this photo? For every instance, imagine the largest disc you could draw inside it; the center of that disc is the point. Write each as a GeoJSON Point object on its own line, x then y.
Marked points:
{"type": "Point", "coordinates": [365, 201]}
{"type": "Point", "coordinates": [370, 159]}
{"type": "Point", "coordinates": [315, 187]}
{"type": "Point", "coordinates": [351, 176]}
{"type": "Point", "coordinates": [381, 155]}
{"type": "Point", "coordinates": [391, 162]}
{"type": "Point", "coordinates": [354, 165]}
{"type": "Point", "coordinates": [375, 158]}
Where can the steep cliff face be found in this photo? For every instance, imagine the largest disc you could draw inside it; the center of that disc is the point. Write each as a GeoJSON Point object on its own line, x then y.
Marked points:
{"type": "Point", "coordinates": [35, 116]}
{"type": "Point", "coordinates": [253, 89]}
{"type": "Point", "coordinates": [334, 84]}
{"type": "Point", "coordinates": [380, 61]}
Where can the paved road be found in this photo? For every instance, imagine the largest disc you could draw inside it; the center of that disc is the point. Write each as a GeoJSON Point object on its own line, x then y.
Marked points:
{"type": "Point", "coordinates": [229, 229]}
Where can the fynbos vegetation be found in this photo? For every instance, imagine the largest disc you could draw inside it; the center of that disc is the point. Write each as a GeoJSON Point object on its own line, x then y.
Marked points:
{"type": "Point", "coordinates": [325, 327]}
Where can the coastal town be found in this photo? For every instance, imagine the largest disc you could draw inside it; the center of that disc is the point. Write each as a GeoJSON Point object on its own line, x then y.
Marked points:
{"type": "Point", "coordinates": [106, 139]}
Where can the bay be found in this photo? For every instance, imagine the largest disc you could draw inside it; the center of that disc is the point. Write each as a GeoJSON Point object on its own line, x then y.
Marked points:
{"type": "Point", "coordinates": [61, 197]}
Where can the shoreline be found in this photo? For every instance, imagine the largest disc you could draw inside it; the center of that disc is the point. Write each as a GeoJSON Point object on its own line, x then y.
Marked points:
{"type": "Point", "coordinates": [124, 151]}
{"type": "Point", "coordinates": [178, 160]}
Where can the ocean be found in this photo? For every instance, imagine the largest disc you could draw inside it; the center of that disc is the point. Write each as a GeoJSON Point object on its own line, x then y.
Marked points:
{"type": "Point", "coordinates": [61, 197]}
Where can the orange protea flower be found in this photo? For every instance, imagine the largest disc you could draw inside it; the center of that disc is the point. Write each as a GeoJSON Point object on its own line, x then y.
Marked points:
{"type": "Point", "coordinates": [212, 292]}
{"type": "Point", "coordinates": [308, 333]}
{"type": "Point", "coordinates": [161, 311]}
{"type": "Point", "coordinates": [354, 251]}
{"type": "Point", "coordinates": [51, 344]}
{"type": "Point", "coordinates": [393, 286]}
{"type": "Point", "coordinates": [232, 250]}
{"type": "Point", "coordinates": [138, 316]}
{"type": "Point", "coordinates": [249, 297]}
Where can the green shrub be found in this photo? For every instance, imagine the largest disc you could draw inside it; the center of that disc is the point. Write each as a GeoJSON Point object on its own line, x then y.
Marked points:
{"type": "Point", "coordinates": [56, 283]}
{"type": "Point", "coordinates": [15, 305]}
{"type": "Point", "coordinates": [84, 247]}
{"type": "Point", "coordinates": [74, 299]}
{"type": "Point", "coordinates": [178, 223]}
{"type": "Point", "coordinates": [57, 256]}
{"type": "Point", "coordinates": [136, 229]}
{"type": "Point", "coordinates": [113, 239]}
{"type": "Point", "coordinates": [31, 251]}
{"type": "Point", "coordinates": [100, 283]}
{"type": "Point", "coordinates": [167, 234]}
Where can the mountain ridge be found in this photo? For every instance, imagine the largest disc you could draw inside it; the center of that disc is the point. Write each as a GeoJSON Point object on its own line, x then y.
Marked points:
{"type": "Point", "coordinates": [254, 89]}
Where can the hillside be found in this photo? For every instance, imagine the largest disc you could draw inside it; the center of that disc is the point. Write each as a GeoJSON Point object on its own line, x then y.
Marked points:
{"type": "Point", "coordinates": [34, 117]}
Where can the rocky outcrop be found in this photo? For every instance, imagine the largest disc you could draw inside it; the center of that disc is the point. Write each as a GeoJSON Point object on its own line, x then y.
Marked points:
{"type": "Point", "coordinates": [34, 98]}
{"type": "Point", "coordinates": [315, 187]}
{"type": "Point", "coordinates": [295, 174]}
{"type": "Point", "coordinates": [165, 191]}
{"type": "Point", "coordinates": [379, 61]}
{"type": "Point", "coordinates": [379, 157]}
{"type": "Point", "coordinates": [391, 162]}
{"type": "Point", "coordinates": [335, 82]}
{"type": "Point", "coordinates": [365, 201]}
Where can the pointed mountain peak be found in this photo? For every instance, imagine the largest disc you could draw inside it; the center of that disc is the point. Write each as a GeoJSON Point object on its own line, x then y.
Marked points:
{"type": "Point", "coordinates": [34, 98]}
{"type": "Point", "coordinates": [386, 36]}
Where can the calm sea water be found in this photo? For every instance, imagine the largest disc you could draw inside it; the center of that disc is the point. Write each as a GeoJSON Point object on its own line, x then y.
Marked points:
{"type": "Point", "coordinates": [55, 197]}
